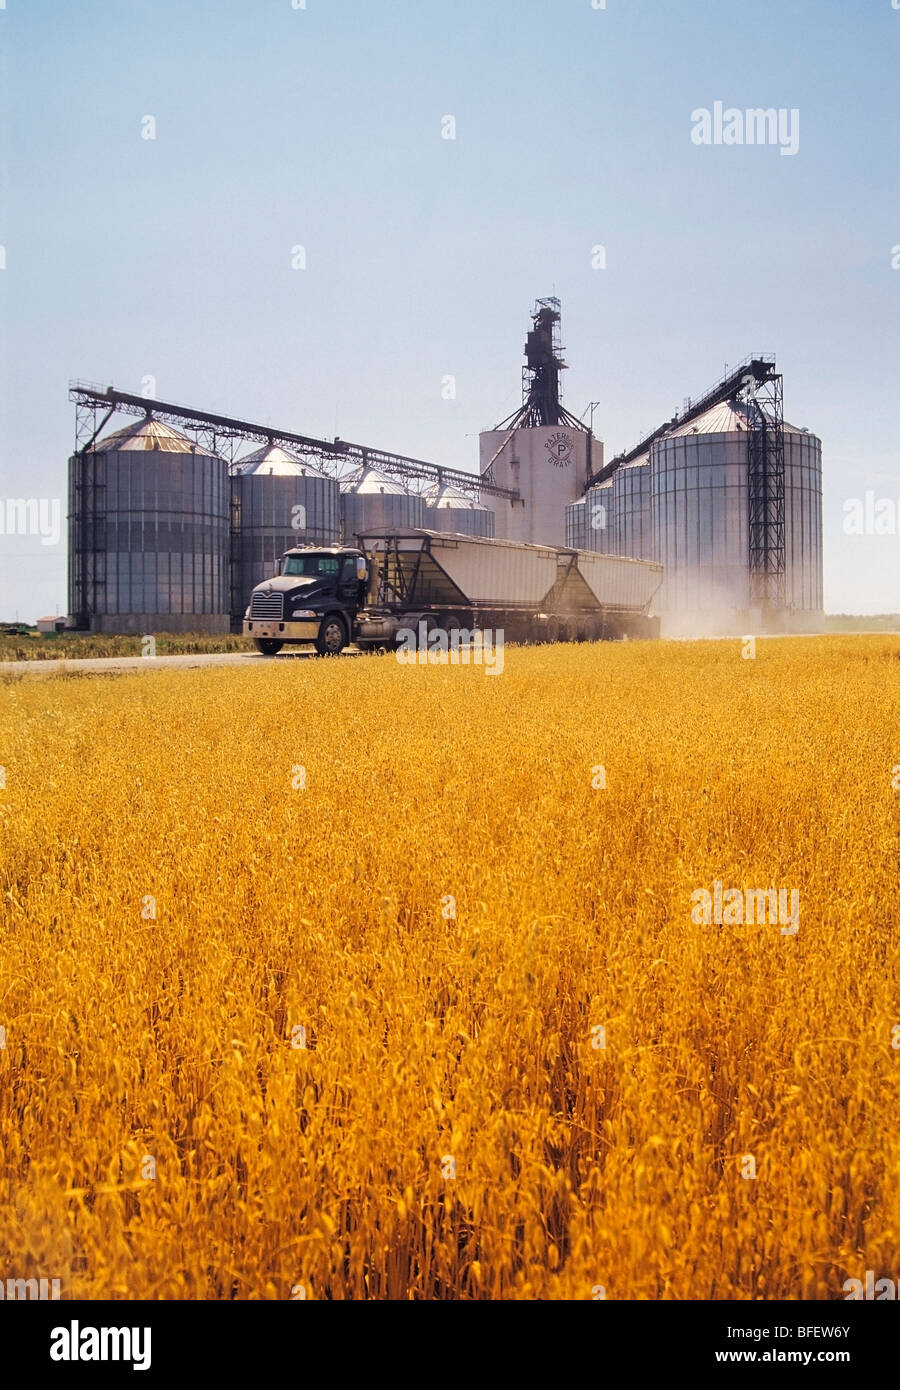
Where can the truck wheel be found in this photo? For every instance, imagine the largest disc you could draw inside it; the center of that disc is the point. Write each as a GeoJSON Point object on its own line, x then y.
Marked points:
{"type": "Point", "coordinates": [332, 638]}
{"type": "Point", "coordinates": [267, 645]}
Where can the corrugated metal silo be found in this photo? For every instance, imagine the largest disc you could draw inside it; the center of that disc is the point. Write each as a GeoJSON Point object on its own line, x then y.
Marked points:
{"type": "Point", "coordinates": [590, 522]}
{"type": "Point", "coordinates": [449, 509]}
{"type": "Point", "coordinates": [278, 501]}
{"type": "Point", "coordinates": [632, 510]}
{"type": "Point", "coordinates": [149, 534]}
{"type": "Point", "coordinates": [803, 524]}
{"type": "Point", "coordinates": [701, 514]}
{"type": "Point", "coordinates": [700, 505]}
{"type": "Point", "coordinates": [369, 500]}
{"type": "Point", "coordinates": [576, 524]}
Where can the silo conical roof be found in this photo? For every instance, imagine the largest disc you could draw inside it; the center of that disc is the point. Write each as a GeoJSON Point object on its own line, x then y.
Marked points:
{"type": "Point", "coordinates": [145, 434]}
{"type": "Point", "coordinates": [275, 459]}
{"type": "Point", "coordinates": [725, 418]}
{"type": "Point", "coordinates": [445, 495]}
{"type": "Point", "coordinates": [369, 480]}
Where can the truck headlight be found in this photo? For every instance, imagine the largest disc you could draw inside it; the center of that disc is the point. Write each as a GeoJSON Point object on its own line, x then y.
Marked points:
{"type": "Point", "coordinates": [304, 613]}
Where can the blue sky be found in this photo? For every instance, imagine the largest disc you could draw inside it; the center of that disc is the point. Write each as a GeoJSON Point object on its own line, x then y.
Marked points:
{"type": "Point", "coordinates": [321, 127]}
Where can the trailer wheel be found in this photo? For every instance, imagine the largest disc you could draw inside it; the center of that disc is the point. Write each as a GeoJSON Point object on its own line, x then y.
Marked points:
{"type": "Point", "coordinates": [267, 645]}
{"type": "Point", "coordinates": [332, 638]}
{"type": "Point", "coordinates": [449, 622]}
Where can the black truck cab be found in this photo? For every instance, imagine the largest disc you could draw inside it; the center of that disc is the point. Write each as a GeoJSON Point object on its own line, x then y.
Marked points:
{"type": "Point", "coordinates": [314, 597]}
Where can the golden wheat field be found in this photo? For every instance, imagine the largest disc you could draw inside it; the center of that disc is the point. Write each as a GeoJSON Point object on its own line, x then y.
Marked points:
{"type": "Point", "coordinates": [453, 1127]}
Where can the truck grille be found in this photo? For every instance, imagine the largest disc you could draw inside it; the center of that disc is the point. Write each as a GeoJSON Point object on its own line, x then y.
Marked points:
{"type": "Point", "coordinates": [269, 606]}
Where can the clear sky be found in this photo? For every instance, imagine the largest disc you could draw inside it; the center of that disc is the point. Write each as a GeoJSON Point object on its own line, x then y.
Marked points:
{"type": "Point", "coordinates": [322, 127]}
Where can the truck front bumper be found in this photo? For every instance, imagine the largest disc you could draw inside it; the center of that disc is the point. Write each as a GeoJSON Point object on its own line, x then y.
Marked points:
{"type": "Point", "coordinates": [306, 631]}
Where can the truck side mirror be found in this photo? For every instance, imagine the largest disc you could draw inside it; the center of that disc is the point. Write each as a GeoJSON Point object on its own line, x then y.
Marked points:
{"type": "Point", "coordinates": [362, 569]}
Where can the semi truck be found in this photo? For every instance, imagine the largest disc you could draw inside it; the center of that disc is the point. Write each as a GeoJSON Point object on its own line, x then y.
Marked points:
{"type": "Point", "coordinates": [393, 579]}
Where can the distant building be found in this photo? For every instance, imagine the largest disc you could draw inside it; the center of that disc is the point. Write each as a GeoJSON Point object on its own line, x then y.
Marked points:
{"type": "Point", "coordinates": [49, 625]}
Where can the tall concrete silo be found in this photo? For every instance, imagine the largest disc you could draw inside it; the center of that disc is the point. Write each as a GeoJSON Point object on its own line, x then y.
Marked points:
{"type": "Point", "coordinates": [149, 515]}
{"type": "Point", "coordinates": [278, 501]}
{"type": "Point", "coordinates": [541, 451]}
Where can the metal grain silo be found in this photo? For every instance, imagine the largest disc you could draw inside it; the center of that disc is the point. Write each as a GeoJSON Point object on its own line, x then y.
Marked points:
{"type": "Point", "coordinates": [590, 522]}
{"type": "Point", "coordinates": [700, 510]}
{"type": "Point", "coordinates": [149, 534]}
{"type": "Point", "coordinates": [633, 518]}
{"type": "Point", "coordinates": [803, 527]}
{"type": "Point", "coordinates": [369, 500]}
{"type": "Point", "coordinates": [577, 525]}
{"type": "Point", "coordinates": [449, 509]}
{"type": "Point", "coordinates": [278, 501]}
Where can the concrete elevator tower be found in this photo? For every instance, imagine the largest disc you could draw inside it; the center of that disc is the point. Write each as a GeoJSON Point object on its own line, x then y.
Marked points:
{"type": "Point", "coordinates": [541, 450]}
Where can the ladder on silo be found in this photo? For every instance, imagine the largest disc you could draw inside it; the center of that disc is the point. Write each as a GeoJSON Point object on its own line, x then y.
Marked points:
{"type": "Point", "coordinates": [765, 473]}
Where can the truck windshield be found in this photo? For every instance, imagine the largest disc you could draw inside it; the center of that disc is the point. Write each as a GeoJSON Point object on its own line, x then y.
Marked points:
{"type": "Point", "coordinates": [311, 564]}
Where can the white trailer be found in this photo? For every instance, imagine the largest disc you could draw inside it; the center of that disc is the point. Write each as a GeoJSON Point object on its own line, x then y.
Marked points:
{"type": "Point", "coordinates": [532, 592]}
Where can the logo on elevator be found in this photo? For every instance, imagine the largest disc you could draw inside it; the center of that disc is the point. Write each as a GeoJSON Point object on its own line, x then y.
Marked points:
{"type": "Point", "coordinates": [560, 447]}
